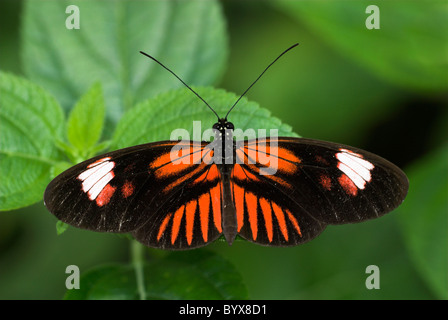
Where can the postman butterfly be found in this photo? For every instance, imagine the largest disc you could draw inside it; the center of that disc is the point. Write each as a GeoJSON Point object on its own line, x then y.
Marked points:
{"type": "Point", "coordinates": [185, 194]}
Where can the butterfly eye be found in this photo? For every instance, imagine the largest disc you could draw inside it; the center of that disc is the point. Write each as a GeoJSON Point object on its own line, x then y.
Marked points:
{"type": "Point", "coordinates": [229, 125]}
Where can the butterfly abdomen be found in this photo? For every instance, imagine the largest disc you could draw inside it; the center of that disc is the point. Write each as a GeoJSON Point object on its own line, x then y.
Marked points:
{"type": "Point", "coordinates": [229, 220]}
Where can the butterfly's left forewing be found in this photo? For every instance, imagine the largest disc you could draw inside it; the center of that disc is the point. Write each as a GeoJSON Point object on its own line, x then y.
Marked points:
{"type": "Point", "coordinates": [163, 193]}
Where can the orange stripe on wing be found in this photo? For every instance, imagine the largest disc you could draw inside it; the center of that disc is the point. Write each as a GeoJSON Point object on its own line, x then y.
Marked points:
{"type": "Point", "coordinates": [285, 160]}
{"type": "Point", "coordinates": [241, 156]}
{"type": "Point", "coordinates": [204, 210]}
{"type": "Point", "coordinates": [252, 207]}
{"type": "Point", "coordinates": [171, 169]}
{"type": "Point", "coordinates": [294, 221]}
{"type": "Point", "coordinates": [267, 214]}
{"type": "Point", "coordinates": [210, 175]}
{"type": "Point", "coordinates": [185, 155]}
{"type": "Point", "coordinates": [190, 210]}
{"type": "Point", "coordinates": [281, 220]}
{"type": "Point", "coordinates": [207, 155]}
{"type": "Point", "coordinates": [176, 223]}
{"type": "Point", "coordinates": [215, 195]}
{"type": "Point", "coordinates": [240, 173]}
{"type": "Point", "coordinates": [184, 178]}
{"type": "Point", "coordinates": [265, 143]}
{"type": "Point", "coordinates": [163, 226]}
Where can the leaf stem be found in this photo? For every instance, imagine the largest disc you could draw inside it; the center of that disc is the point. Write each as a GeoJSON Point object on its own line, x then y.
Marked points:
{"type": "Point", "coordinates": [137, 258]}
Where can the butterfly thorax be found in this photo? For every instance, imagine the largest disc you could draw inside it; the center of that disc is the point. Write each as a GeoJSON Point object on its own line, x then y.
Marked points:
{"type": "Point", "coordinates": [224, 140]}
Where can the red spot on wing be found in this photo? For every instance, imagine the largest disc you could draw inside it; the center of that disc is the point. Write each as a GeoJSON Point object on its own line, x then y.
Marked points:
{"type": "Point", "coordinates": [130, 167]}
{"type": "Point", "coordinates": [127, 189]}
{"type": "Point", "coordinates": [325, 181]}
{"type": "Point", "coordinates": [348, 185]}
{"type": "Point", "coordinates": [322, 160]}
{"type": "Point", "coordinates": [105, 195]}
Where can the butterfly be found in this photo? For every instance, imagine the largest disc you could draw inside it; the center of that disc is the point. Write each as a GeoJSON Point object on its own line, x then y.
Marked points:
{"type": "Point", "coordinates": [273, 191]}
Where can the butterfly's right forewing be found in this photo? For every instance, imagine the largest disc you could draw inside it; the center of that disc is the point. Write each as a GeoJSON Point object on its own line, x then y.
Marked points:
{"type": "Point", "coordinates": [306, 185]}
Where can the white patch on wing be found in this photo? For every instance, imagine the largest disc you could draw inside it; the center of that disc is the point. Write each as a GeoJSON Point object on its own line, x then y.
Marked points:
{"type": "Point", "coordinates": [99, 186]}
{"type": "Point", "coordinates": [97, 176]}
{"type": "Point", "coordinates": [86, 174]}
{"type": "Point", "coordinates": [355, 167]}
{"type": "Point", "coordinates": [355, 177]}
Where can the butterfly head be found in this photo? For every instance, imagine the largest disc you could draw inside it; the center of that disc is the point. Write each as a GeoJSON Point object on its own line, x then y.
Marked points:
{"type": "Point", "coordinates": [223, 129]}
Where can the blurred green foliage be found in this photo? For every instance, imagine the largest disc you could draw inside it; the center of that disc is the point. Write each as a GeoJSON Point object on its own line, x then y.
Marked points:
{"type": "Point", "coordinates": [382, 90]}
{"type": "Point", "coordinates": [181, 275]}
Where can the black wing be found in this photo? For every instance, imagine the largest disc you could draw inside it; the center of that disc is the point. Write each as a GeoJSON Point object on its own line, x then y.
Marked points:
{"type": "Point", "coordinates": [167, 200]}
{"type": "Point", "coordinates": [286, 190]}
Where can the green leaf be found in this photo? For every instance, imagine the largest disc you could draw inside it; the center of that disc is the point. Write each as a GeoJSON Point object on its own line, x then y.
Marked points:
{"type": "Point", "coordinates": [100, 148]}
{"type": "Point", "coordinates": [196, 274]}
{"type": "Point", "coordinates": [61, 227]}
{"type": "Point", "coordinates": [188, 36]}
{"type": "Point", "coordinates": [155, 119]}
{"type": "Point", "coordinates": [408, 49]}
{"type": "Point", "coordinates": [31, 121]}
{"type": "Point", "coordinates": [424, 220]}
{"type": "Point", "coordinates": [85, 123]}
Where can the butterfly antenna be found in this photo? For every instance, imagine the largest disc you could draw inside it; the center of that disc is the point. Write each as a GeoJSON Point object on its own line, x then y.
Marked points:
{"type": "Point", "coordinates": [293, 46]}
{"type": "Point", "coordinates": [166, 68]}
